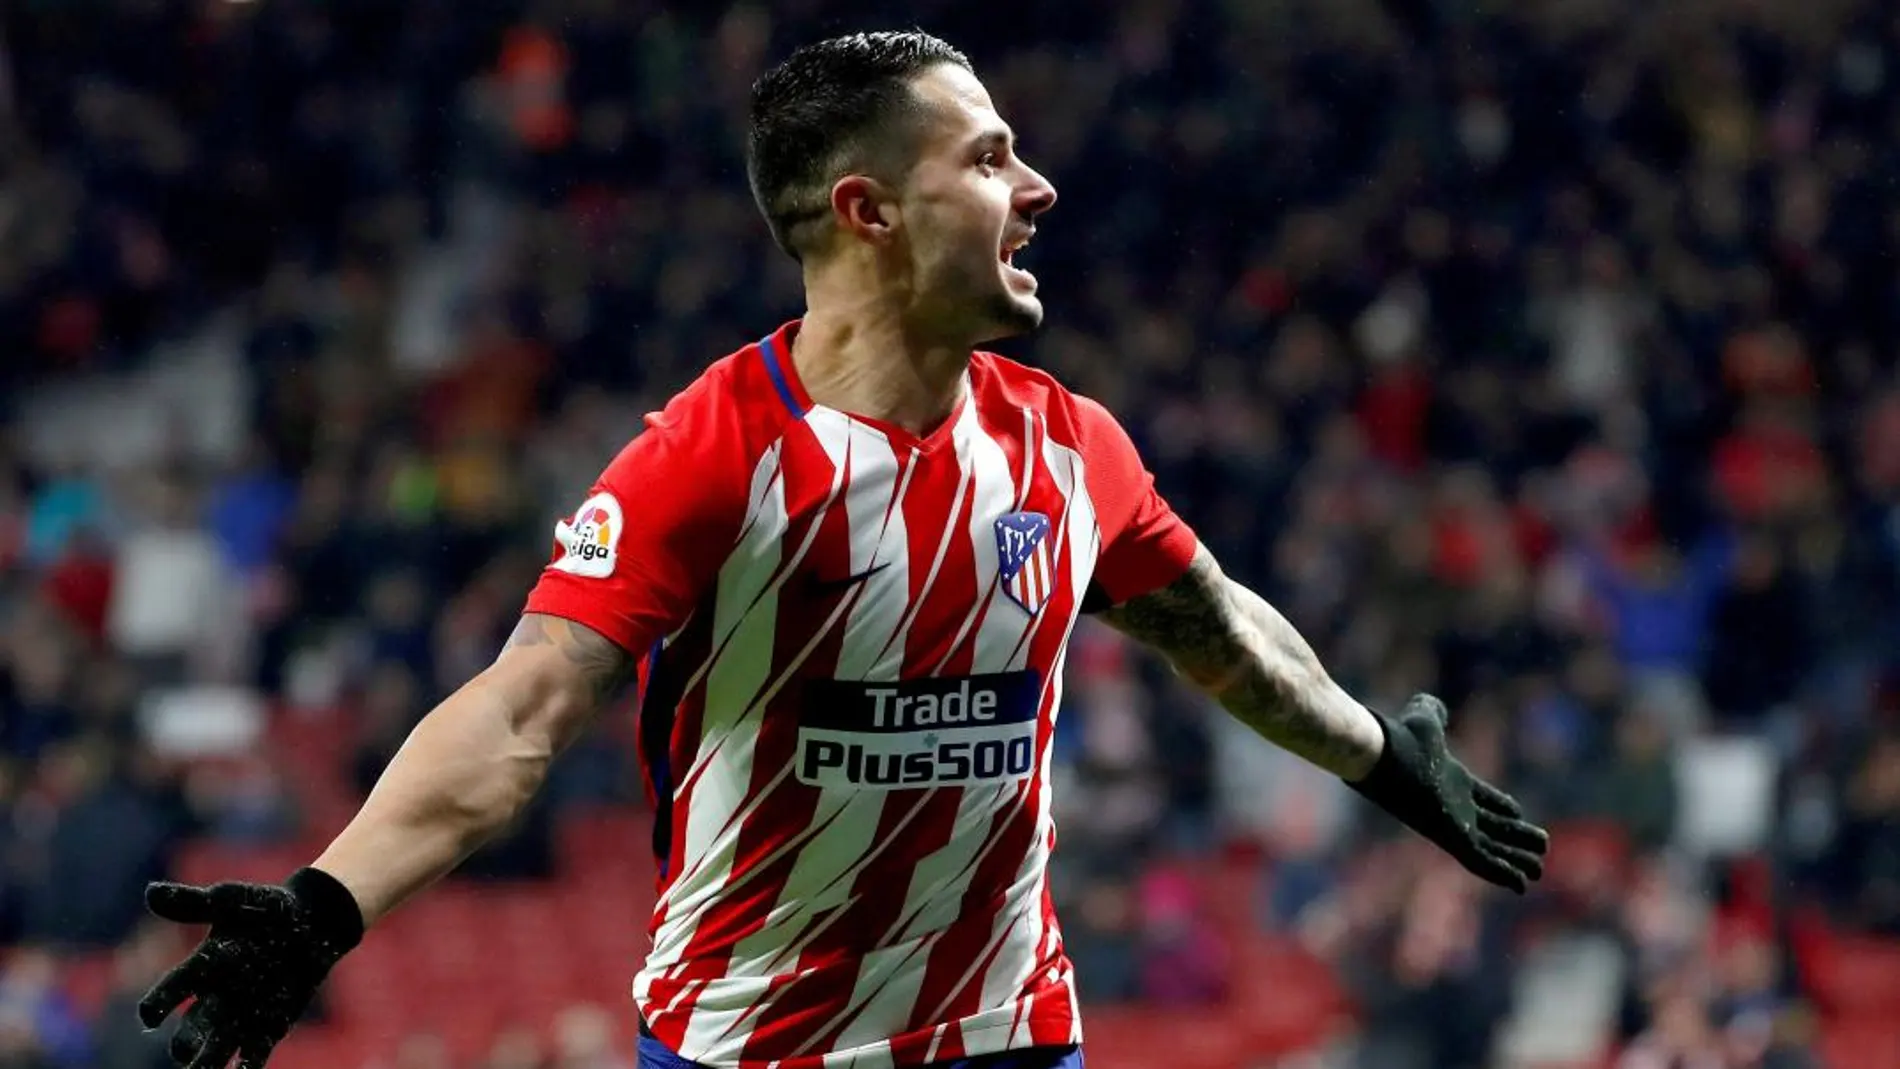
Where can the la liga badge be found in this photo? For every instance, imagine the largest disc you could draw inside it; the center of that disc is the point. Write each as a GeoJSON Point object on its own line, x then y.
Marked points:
{"type": "Point", "coordinates": [590, 539]}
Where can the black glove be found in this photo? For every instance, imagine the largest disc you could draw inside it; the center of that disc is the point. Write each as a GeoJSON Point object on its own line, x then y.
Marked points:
{"type": "Point", "coordinates": [1418, 781]}
{"type": "Point", "coordinates": [268, 950]}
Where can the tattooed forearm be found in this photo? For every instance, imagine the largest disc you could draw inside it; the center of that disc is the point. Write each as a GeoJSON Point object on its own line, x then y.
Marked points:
{"type": "Point", "coordinates": [604, 667]}
{"type": "Point", "coordinates": [1239, 649]}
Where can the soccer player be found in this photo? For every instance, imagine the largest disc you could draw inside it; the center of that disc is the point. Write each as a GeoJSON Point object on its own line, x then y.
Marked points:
{"type": "Point", "coordinates": [843, 566]}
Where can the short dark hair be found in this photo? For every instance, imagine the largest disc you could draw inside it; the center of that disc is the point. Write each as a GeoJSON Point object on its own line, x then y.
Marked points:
{"type": "Point", "coordinates": [832, 108]}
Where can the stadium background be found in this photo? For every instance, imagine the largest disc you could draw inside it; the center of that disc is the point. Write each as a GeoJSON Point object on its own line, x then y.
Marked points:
{"type": "Point", "coordinates": [1542, 352]}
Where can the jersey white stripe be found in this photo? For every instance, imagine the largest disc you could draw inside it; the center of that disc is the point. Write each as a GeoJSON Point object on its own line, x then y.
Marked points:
{"type": "Point", "coordinates": [1019, 957]}
{"type": "Point", "coordinates": [886, 991]}
{"type": "Point", "coordinates": [943, 550]}
{"type": "Point", "coordinates": [937, 884]}
{"type": "Point", "coordinates": [979, 961]}
{"type": "Point", "coordinates": [724, 842]}
{"type": "Point", "coordinates": [1075, 1005]}
{"type": "Point", "coordinates": [736, 997]}
{"type": "Point", "coordinates": [821, 880]}
{"type": "Point", "coordinates": [873, 646]}
{"type": "Point", "coordinates": [748, 589]}
{"type": "Point", "coordinates": [1081, 541]}
{"type": "Point", "coordinates": [1085, 534]}
{"type": "Point", "coordinates": [1005, 622]}
{"type": "Point", "coordinates": [1045, 551]}
{"type": "Point", "coordinates": [766, 484]}
{"type": "Point", "coordinates": [878, 1056]}
{"type": "Point", "coordinates": [733, 680]}
{"type": "Point", "coordinates": [761, 543]}
{"type": "Point", "coordinates": [984, 460]}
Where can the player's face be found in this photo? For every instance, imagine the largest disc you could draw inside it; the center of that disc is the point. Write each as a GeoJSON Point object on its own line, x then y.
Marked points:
{"type": "Point", "coordinates": [970, 202]}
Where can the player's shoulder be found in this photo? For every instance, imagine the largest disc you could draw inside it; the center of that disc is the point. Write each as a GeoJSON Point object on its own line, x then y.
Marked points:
{"type": "Point", "coordinates": [1001, 382]}
{"type": "Point", "coordinates": [720, 424]}
{"type": "Point", "coordinates": [734, 398]}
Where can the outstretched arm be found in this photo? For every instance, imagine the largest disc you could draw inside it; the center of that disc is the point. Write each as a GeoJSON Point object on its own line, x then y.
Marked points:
{"type": "Point", "coordinates": [1239, 649]}
{"type": "Point", "coordinates": [474, 762]}
{"type": "Point", "coordinates": [463, 774]}
{"type": "Point", "coordinates": [1235, 646]}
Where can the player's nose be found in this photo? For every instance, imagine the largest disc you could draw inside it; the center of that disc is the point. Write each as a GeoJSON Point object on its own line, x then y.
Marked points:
{"type": "Point", "coordinates": [1036, 195]}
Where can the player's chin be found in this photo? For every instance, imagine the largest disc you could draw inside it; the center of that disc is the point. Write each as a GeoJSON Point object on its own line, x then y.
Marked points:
{"type": "Point", "coordinates": [1016, 281]}
{"type": "Point", "coordinates": [1018, 301]}
{"type": "Point", "coordinates": [1013, 314]}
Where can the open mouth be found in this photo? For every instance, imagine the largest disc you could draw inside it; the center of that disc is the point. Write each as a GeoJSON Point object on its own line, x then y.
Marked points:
{"type": "Point", "coordinates": [1012, 246]}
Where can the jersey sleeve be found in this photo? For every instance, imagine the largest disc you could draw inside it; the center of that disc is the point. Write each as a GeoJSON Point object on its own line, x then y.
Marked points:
{"type": "Point", "coordinates": [1145, 546]}
{"type": "Point", "coordinates": [639, 553]}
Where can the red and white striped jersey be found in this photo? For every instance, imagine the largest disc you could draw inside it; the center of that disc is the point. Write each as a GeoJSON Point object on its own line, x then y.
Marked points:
{"type": "Point", "coordinates": [853, 643]}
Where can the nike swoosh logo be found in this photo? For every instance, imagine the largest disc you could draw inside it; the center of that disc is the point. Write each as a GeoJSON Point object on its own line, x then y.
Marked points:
{"type": "Point", "coordinates": [827, 586]}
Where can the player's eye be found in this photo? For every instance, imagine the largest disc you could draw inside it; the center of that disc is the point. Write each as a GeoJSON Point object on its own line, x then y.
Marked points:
{"type": "Point", "coordinates": [988, 162]}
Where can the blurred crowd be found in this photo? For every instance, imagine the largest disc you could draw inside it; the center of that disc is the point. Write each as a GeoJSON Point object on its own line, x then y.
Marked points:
{"type": "Point", "coordinates": [1541, 354]}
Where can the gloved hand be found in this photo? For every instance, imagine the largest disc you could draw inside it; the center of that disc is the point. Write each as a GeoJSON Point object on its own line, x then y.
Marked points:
{"type": "Point", "coordinates": [1418, 781]}
{"type": "Point", "coordinates": [268, 950]}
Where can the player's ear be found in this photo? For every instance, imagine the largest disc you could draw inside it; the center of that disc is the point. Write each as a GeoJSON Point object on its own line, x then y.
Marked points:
{"type": "Point", "coordinates": [864, 207]}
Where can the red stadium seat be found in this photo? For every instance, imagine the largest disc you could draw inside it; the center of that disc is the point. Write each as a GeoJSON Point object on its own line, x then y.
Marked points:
{"type": "Point", "coordinates": [1588, 858]}
{"type": "Point", "coordinates": [88, 979]}
{"type": "Point", "coordinates": [1302, 1006]}
{"type": "Point", "coordinates": [1862, 1043]}
{"type": "Point", "coordinates": [1140, 1038]}
{"type": "Point", "coordinates": [606, 839]}
{"type": "Point", "coordinates": [326, 1048]}
{"type": "Point", "coordinates": [466, 959]}
{"type": "Point", "coordinates": [1855, 975]}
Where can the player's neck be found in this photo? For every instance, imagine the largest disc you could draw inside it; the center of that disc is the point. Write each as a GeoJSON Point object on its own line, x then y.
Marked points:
{"type": "Point", "coordinates": [857, 357]}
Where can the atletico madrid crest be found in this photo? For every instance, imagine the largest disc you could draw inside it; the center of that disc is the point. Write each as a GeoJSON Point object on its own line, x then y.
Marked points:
{"type": "Point", "coordinates": [1023, 558]}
